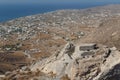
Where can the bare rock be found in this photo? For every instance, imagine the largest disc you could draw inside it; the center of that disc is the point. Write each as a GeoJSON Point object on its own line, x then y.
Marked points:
{"type": "Point", "coordinates": [69, 62]}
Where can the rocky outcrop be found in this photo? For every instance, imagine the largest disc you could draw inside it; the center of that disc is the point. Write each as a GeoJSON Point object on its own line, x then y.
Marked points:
{"type": "Point", "coordinates": [110, 69]}
{"type": "Point", "coordinates": [59, 64]}
{"type": "Point", "coordinates": [98, 66]}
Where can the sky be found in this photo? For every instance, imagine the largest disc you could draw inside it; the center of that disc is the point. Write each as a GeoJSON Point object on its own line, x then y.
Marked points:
{"type": "Point", "coordinates": [52, 1]}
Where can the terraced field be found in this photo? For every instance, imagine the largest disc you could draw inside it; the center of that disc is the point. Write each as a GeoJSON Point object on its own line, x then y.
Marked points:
{"type": "Point", "coordinates": [12, 60]}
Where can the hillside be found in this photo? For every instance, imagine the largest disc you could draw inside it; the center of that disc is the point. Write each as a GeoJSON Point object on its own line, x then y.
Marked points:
{"type": "Point", "coordinates": [34, 41]}
{"type": "Point", "coordinates": [108, 33]}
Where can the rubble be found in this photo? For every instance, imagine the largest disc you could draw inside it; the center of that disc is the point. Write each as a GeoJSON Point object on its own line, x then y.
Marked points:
{"type": "Point", "coordinates": [88, 47]}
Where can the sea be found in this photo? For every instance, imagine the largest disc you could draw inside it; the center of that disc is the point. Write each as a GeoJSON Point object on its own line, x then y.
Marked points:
{"type": "Point", "coordinates": [12, 11]}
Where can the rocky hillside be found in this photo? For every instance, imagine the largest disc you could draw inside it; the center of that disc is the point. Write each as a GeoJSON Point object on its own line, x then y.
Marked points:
{"type": "Point", "coordinates": [75, 61]}
{"type": "Point", "coordinates": [38, 42]}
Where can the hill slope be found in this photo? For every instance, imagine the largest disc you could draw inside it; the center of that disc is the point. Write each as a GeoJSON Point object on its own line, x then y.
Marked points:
{"type": "Point", "coordinates": [36, 38]}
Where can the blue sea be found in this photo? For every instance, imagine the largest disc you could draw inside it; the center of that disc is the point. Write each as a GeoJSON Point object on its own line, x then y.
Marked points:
{"type": "Point", "coordinates": [11, 11]}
